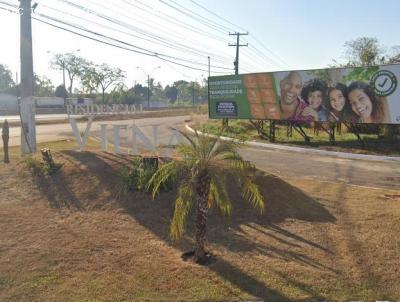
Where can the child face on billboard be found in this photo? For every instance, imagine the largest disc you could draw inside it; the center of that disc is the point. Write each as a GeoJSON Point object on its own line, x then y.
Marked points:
{"type": "Point", "coordinates": [337, 100]}
{"type": "Point", "coordinates": [315, 99]}
{"type": "Point", "coordinates": [360, 103]}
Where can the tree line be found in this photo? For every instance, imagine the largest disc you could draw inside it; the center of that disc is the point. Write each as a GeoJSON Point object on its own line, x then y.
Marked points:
{"type": "Point", "coordinates": [105, 84]}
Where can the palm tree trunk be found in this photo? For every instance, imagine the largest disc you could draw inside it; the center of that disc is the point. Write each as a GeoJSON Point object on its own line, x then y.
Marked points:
{"type": "Point", "coordinates": [202, 191]}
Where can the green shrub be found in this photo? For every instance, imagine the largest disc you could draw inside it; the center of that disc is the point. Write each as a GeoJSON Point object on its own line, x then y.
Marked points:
{"type": "Point", "coordinates": [136, 178]}
{"type": "Point", "coordinates": [41, 168]}
{"type": "Point", "coordinates": [33, 165]}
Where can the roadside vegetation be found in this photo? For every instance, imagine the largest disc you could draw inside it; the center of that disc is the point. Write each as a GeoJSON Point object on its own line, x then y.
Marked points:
{"type": "Point", "coordinates": [66, 237]}
{"type": "Point", "coordinates": [201, 172]}
{"type": "Point", "coordinates": [373, 142]}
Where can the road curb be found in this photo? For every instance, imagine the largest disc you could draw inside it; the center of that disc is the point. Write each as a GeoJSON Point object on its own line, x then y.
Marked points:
{"type": "Point", "coordinates": [309, 150]}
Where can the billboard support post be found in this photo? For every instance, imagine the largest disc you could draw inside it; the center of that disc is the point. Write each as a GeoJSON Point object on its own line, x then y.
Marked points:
{"type": "Point", "coordinates": [355, 131]}
{"type": "Point", "coordinates": [300, 130]}
{"type": "Point", "coordinates": [272, 131]}
{"type": "Point", "coordinates": [332, 134]}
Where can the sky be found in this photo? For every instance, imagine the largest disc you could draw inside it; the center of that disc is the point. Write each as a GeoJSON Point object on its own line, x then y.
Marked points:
{"type": "Point", "coordinates": [282, 35]}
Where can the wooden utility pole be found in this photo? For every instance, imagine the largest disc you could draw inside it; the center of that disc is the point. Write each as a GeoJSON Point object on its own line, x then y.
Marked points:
{"type": "Point", "coordinates": [27, 103]}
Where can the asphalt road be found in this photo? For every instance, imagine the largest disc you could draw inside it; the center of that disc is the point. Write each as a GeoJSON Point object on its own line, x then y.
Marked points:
{"type": "Point", "coordinates": [16, 118]}
{"type": "Point", "coordinates": [283, 163]}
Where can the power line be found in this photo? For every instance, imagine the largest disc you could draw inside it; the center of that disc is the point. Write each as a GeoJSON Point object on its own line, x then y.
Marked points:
{"type": "Point", "coordinates": [270, 51]}
{"type": "Point", "coordinates": [122, 47]}
{"type": "Point", "coordinates": [193, 17]}
{"type": "Point", "coordinates": [126, 43]}
{"type": "Point", "coordinates": [216, 15]}
{"type": "Point", "coordinates": [161, 28]}
{"type": "Point", "coordinates": [276, 56]}
{"type": "Point", "coordinates": [123, 24]}
{"type": "Point", "coordinates": [150, 35]}
{"type": "Point", "coordinates": [175, 21]}
{"type": "Point", "coordinates": [105, 42]}
{"type": "Point", "coordinates": [159, 39]}
{"type": "Point", "coordinates": [200, 16]}
{"type": "Point", "coordinates": [126, 33]}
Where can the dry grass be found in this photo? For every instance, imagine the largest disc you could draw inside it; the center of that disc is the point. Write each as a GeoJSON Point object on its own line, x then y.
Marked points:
{"type": "Point", "coordinates": [66, 238]}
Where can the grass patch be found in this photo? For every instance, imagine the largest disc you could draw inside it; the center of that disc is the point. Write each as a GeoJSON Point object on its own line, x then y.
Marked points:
{"type": "Point", "coordinates": [345, 141]}
{"type": "Point", "coordinates": [323, 241]}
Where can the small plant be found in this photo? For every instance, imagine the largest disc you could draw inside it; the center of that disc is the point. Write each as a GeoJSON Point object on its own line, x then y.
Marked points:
{"type": "Point", "coordinates": [138, 175]}
{"type": "Point", "coordinates": [49, 166]}
{"type": "Point", "coordinates": [127, 181]}
{"type": "Point", "coordinates": [33, 165]}
{"type": "Point", "coordinates": [37, 168]}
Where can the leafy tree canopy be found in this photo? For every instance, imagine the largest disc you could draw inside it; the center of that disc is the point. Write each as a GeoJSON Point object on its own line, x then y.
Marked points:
{"type": "Point", "coordinates": [6, 81]}
{"type": "Point", "coordinates": [74, 66]}
{"type": "Point", "coordinates": [61, 92]}
{"type": "Point", "coordinates": [367, 51]}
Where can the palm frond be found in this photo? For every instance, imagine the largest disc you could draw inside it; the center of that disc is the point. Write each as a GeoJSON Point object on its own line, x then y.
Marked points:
{"type": "Point", "coordinates": [219, 195]}
{"type": "Point", "coordinates": [187, 151]}
{"type": "Point", "coordinates": [183, 204]}
{"type": "Point", "coordinates": [252, 193]}
{"type": "Point", "coordinates": [236, 162]}
{"type": "Point", "coordinates": [185, 135]}
{"type": "Point", "coordinates": [224, 147]}
{"type": "Point", "coordinates": [163, 174]}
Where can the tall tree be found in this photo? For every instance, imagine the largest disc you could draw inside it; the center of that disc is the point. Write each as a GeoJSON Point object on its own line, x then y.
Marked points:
{"type": "Point", "coordinates": [364, 51]}
{"type": "Point", "coordinates": [43, 87]}
{"type": "Point", "coordinates": [101, 76]}
{"type": "Point", "coordinates": [367, 51]}
{"type": "Point", "coordinates": [202, 172]}
{"type": "Point", "coordinates": [172, 93]}
{"type": "Point", "coordinates": [70, 63]}
{"type": "Point", "coordinates": [6, 81]}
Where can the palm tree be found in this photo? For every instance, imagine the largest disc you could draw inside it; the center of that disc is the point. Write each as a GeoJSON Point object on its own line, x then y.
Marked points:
{"type": "Point", "coordinates": [201, 172]}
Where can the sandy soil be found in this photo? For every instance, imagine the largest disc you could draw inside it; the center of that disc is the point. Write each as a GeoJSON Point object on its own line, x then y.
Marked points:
{"type": "Point", "coordinates": [67, 238]}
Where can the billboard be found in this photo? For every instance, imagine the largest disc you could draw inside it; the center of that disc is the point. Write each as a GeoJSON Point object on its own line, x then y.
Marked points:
{"type": "Point", "coordinates": [356, 95]}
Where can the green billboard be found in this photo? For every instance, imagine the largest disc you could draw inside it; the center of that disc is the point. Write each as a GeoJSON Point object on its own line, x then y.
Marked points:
{"type": "Point", "coordinates": [357, 95]}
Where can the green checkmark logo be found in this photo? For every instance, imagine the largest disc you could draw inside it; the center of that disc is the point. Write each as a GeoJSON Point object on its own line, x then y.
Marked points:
{"type": "Point", "coordinates": [384, 83]}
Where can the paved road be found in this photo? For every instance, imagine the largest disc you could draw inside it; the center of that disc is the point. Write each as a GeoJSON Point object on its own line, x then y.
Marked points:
{"type": "Point", "coordinates": [326, 168]}
{"type": "Point", "coordinates": [47, 133]}
{"type": "Point", "coordinates": [283, 163]}
{"type": "Point", "coordinates": [16, 118]}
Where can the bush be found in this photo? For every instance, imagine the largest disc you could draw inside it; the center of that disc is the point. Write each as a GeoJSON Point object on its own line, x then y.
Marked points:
{"type": "Point", "coordinates": [33, 165]}
{"type": "Point", "coordinates": [136, 178]}
{"type": "Point", "coordinates": [38, 168]}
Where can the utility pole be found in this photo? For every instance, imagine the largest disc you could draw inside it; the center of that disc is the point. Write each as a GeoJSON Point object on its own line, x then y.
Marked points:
{"type": "Point", "coordinates": [148, 92]}
{"type": "Point", "coordinates": [27, 103]}
{"type": "Point", "coordinates": [148, 82]}
{"type": "Point", "coordinates": [236, 62]}
{"type": "Point", "coordinates": [209, 67]}
{"type": "Point", "coordinates": [63, 67]}
{"type": "Point", "coordinates": [237, 45]}
{"type": "Point", "coordinates": [193, 93]}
